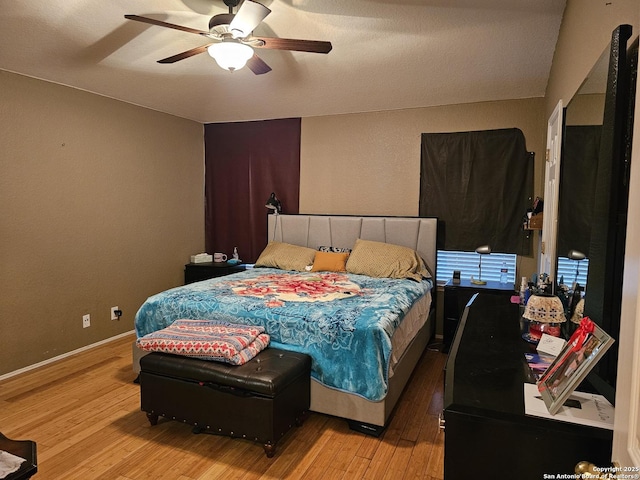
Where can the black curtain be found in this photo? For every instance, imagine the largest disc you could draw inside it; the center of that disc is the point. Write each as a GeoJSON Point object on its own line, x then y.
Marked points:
{"type": "Point", "coordinates": [578, 173]}
{"type": "Point", "coordinates": [244, 163]}
{"type": "Point", "coordinates": [479, 185]}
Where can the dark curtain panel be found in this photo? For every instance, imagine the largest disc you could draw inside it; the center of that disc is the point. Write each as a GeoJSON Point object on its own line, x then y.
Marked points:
{"type": "Point", "coordinates": [479, 185]}
{"type": "Point", "coordinates": [244, 163]}
{"type": "Point", "coordinates": [578, 173]}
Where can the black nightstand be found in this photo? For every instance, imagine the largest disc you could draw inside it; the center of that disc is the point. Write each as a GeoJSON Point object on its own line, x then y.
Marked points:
{"type": "Point", "coordinates": [456, 297]}
{"type": "Point", "coordinates": [196, 272]}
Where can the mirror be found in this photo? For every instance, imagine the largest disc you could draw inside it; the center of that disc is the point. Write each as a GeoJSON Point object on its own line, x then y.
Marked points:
{"type": "Point", "coordinates": [583, 118]}
{"type": "Point", "coordinates": [593, 198]}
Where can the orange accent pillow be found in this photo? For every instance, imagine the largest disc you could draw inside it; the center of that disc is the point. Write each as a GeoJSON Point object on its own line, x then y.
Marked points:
{"type": "Point", "coordinates": [330, 262]}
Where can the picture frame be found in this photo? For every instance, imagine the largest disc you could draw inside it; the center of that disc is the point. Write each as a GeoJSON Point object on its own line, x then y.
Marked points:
{"type": "Point", "coordinates": [583, 350]}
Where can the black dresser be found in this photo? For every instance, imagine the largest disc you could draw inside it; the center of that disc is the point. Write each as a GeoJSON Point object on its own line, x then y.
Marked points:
{"type": "Point", "coordinates": [456, 296]}
{"type": "Point", "coordinates": [487, 434]}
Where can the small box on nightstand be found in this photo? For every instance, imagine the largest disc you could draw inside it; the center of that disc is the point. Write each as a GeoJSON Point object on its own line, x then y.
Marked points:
{"type": "Point", "coordinates": [201, 258]}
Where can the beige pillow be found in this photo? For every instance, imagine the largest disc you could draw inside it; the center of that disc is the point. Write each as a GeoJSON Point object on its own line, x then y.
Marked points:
{"type": "Point", "coordinates": [378, 259]}
{"type": "Point", "coordinates": [286, 256]}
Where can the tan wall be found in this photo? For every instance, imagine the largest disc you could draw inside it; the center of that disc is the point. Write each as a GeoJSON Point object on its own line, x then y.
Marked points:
{"type": "Point", "coordinates": [101, 204]}
{"type": "Point", "coordinates": [369, 163]}
{"type": "Point", "coordinates": [584, 34]}
{"type": "Point", "coordinates": [585, 110]}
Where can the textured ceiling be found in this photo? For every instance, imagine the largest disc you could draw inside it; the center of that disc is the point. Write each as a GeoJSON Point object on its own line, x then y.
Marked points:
{"type": "Point", "coordinates": [387, 54]}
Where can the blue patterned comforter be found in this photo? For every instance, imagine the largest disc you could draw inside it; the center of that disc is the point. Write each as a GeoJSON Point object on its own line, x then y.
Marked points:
{"type": "Point", "coordinates": [343, 321]}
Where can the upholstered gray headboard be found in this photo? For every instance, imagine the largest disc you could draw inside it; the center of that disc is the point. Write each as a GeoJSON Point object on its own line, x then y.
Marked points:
{"type": "Point", "coordinates": [343, 231]}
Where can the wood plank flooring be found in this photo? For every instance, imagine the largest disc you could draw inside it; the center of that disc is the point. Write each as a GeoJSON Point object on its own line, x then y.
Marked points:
{"type": "Point", "coordinates": [84, 413]}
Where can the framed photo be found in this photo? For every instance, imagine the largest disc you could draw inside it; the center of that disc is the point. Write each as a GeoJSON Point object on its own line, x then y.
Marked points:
{"type": "Point", "coordinates": [583, 350]}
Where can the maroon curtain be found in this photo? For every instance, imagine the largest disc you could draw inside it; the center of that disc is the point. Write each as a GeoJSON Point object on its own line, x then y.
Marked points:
{"type": "Point", "coordinates": [244, 163]}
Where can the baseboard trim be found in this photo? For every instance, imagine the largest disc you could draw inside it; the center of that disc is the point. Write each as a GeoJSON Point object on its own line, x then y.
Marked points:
{"type": "Point", "coordinates": [64, 355]}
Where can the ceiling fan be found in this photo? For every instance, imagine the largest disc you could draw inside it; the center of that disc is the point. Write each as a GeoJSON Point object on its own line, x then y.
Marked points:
{"type": "Point", "coordinates": [232, 42]}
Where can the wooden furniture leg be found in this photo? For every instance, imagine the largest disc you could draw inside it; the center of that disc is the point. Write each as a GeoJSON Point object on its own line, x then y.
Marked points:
{"type": "Point", "coordinates": [153, 418]}
{"type": "Point", "coordinates": [270, 450]}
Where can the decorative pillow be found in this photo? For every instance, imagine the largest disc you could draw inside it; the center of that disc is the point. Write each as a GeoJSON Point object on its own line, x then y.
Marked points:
{"type": "Point", "coordinates": [334, 249]}
{"type": "Point", "coordinates": [286, 256]}
{"type": "Point", "coordinates": [330, 262]}
{"type": "Point", "coordinates": [378, 259]}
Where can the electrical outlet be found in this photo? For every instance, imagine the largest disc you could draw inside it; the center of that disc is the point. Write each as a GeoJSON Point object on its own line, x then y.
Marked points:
{"type": "Point", "coordinates": [86, 321]}
{"type": "Point", "coordinates": [114, 313]}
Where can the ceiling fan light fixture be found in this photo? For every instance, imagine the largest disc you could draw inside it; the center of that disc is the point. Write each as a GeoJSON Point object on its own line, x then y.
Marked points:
{"type": "Point", "coordinates": [230, 54]}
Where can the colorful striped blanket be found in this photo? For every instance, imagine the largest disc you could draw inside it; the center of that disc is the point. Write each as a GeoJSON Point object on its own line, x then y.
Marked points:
{"type": "Point", "coordinates": [208, 340]}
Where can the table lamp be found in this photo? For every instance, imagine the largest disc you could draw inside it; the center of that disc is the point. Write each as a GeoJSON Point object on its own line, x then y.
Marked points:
{"type": "Point", "coordinates": [482, 250]}
{"type": "Point", "coordinates": [274, 204]}
{"type": "Point", "coordinates": [577, 256]}
{"type": "Point", "coordinates": [545, 314]}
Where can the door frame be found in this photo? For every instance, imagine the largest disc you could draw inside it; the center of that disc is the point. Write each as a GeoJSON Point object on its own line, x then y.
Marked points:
{"type": "Point", "coordinates": [547, 254]}
{"type": "Point", "coordinates": [626, 431]}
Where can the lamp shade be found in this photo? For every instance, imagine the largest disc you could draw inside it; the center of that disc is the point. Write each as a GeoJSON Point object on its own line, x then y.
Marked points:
{"type": "Point", "coordinates": [273, 203]}
{"type": "Point", "coordinates": [576, 255]}
{"type": "Point", "coordinates": [544, 309]}
{"type": "Point", "coordinates": [483, 250]}
{"type": "Point", "coordinates": [578, 313]}
{"type": "Point", "coordinates": [230, 54]}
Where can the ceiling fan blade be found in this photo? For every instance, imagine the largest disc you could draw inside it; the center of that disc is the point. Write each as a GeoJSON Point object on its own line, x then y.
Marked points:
{"type": "Point", "coordinates": [160, 23]}
{"type": "Point", "coordinates": [313, 46]}
{"type": "Point", "coordinates": [248, 17]}
{"type": "Point", "coordinates": [187, 54]}
{"type": "Point", "coordinates": [257, 65]}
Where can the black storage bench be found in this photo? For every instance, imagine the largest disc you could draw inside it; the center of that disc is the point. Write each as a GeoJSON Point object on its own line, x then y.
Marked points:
{"type": "Point", "coordinates": [260, 400]}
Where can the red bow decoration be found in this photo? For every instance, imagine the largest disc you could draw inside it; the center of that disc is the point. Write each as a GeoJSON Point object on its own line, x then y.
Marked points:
{"type": "Point", "coordinates": [585, 329]}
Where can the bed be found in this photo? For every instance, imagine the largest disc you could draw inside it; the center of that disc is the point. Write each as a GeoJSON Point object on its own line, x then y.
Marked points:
{"type": "Point", "coordinates": [365, 334]}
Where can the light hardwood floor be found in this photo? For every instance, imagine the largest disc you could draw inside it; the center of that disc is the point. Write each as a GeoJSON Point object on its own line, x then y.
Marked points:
{"type": "Point", "coordinates": [84, 413]}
